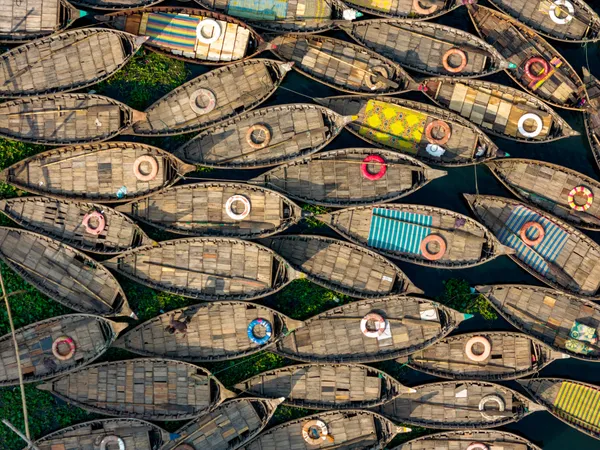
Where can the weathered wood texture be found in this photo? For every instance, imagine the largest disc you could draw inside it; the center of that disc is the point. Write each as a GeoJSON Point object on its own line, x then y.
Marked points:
{"type": "Point", "coordinates": [65, 62]}
{"type": "Point", "coordinates": [101, 173]}
{"type": "Point", "coordinates": [114, 5]}
{"type": "Point", "coordinates": [341, 266]}
{"type": "Point", "coordinates": [206, 268]}
{"type": "Point", "coordinates": [63, 220]}
{"type": "Point", "coordinates": [201, 210]}
{"type": "Point", "coordinates": [335, 178]}
{"type": "Point", "coordinates": [145, 388]}
{"type": "Point", "coordinates": [592, 114]}
{"type": "Point", "coordinates": [335, 336]}
{"type": "Point", "coordinates": [564, 257]}
{"type": "Point", "coordinates": [457, 440]}
{"type": "Point", "coordinates": [561, 86]}
{"type": "Point", "coordinates": [64, 274]}
{"type": "Point", "coordinates": [181, 110]}
{"type": "Point", "coordinates": [547, 315]}
{"type": "Point", "coordinates": [402, 125]}
{"type": "Point", "coordinates": [91, 335]}
{"type": "Point", "coordinates": [398, 230]}
{"type": "Point", "coordinates": [264, 137]}
{"type": "Point", "coordinates": [406, 9]}
{"type": "Point", "coordinates": [215, 331]}
{"type": "Point", "coordinates": [498, 109]}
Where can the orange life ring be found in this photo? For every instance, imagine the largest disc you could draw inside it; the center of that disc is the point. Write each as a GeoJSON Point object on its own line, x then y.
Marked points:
{"type": "Point", "coordinates": [581, 191]}
{"type": "Point", "coordinates": [539, 76]}
{"type": "Point", "coordinates": [101, 223]}
{"type": "Point", "coordinates": [446, 63]}
{"type": "Point", "coordinates": [523, 233]}
{"type": "Point", "coordinates": [487, 348]}
{"type": "Point", "coordinates": [438, 124]}
{"type": "Point", "coordinates": [433, 238]}
{"type": "Point", "coordinates": [314, 432]}
{"type": "Point", "coordinates": [423, 11]}
{"type": "Point", "coordinates": [153, 168]}
{"type": "Point", "coordinates": [261, 144]}
{"type": "Point", "coordinates": [66, 340]}
{"type": "Point", "coordinates": [380, 322]}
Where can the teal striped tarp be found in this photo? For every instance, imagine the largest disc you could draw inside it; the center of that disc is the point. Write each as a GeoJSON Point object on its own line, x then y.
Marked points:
{"type": "Point", "coordinates": [397, 235]}
{"type": "Point", "coordinates": [258, 9]}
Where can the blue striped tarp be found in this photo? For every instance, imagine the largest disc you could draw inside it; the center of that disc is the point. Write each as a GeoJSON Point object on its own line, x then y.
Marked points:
{"type": "Point", "coordinates": [258, 9]}
{"type": "Point", "coordinates": [549, 248]}
{"type": "Point", "coordinates": [388, 234]}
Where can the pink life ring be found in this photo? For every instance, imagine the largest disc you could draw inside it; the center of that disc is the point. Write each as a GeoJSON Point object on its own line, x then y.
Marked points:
{"type": "Point", "coordinates": [487, 348]}
{"type": "Point", "coordinates": [380, 323]}
{"type": "Point", "coordinates": [365, 170]}
{"type": "Point", "coordinates": [66, 340]}
{"type": "Point", "coordinates": [153, 168]}
{"type": "Point", "coordinates": [101, 223]}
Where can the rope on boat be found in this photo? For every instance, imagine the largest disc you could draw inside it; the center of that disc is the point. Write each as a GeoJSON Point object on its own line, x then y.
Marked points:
{"type": "Point", "coordinates": [476, 183]}
{"type": "Point", "coordinates": [296, 92]}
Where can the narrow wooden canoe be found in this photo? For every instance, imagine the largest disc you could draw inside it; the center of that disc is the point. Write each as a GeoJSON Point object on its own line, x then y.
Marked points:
{"type": "Point", "coordinates": [341, 266]}
{"type": "Point", "coordinates": [454, 440]}
{"type": "Point", "coordinates": [175, 31]}
{"type": "Point", "coordinates": [336, 336]}
{"type": "Point", "coordinates": [351, 429]}
{"type": "Point", "coordinates": [337, 177]}
{"type": "Point", "coordinates": [144, 388]}
{"type": "Point", "coordinates": [560, 255]}
{"type": "Point", "coordinates": [438, 47]}
{"type": "Point", "coordinates": [360, 71]}
{"type": "Point", "coordinates": [105, 173]}
{"type": "Point", "coordinates": [64, 274]}
{"type": "Point", "coordinates": [326, 386]}
{"type": "Point", "coordinates": [227, 427]}
{"type": "Point", "coordinates": [63, 62]}
{"type": "Point", "coordinates": [135, 434]}
{"type": "Point", "coordinates": [573, 402]}
{"type": "Point", "coordinates": [559, 84]}
{"type": "Point", "coordinates": [19, 24]}
{"type": "Point", "coordinates": [189, 107]}
{"type": "Point", "coordinates": [215, 208]}
{"type": "Point", "coordinates": [91, 336]}
{"type": "Point", "coordinates": [114, 5]}
{"type": "Point", "coordinates": [107, 232]}
{"type": "Point", "coordinates": [572, 21]}
{"type": "Point", "coordinates": [407, 9]}
{"type": "Point", "coordinates": [450, 405]}
{"type": "Point", "coordinates": [65, 119]}
{"type": "Point", "coordinates": [550, 187]}
{"type": "Point", "coordinates": [549, 316]}
{"type": "Point", "coordinates": [401, 231]}
{"type": "Point", "coordinates": [500, 110]}
{"type": "Point", "coordinates": [431, 134]}
{"type": "Point", "coordinates": [216, 331]}
{"type": "Point", "coordinates": [592, 114]}
{"type": "Point", "coordinates": [264, 137]}
{"type": "Point", "coordinates": [206, 268]}
{"type": "Point", "coordinates": [511, 355]}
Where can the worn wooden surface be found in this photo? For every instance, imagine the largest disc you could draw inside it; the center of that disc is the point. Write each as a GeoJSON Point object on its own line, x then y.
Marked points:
{"type": "Point", "coordinates": [592, 114]}
{"type": "Point", "coordinates": [456, 440]}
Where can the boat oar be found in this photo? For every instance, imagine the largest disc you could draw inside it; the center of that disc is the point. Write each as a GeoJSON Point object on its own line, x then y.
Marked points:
{"type": "Point", "coordinates": [59, 110]}
{"type": "Point", "coordinates": [489, 412]}
{"type": "Point", "coordinates": [404, 320]}
{"type": "Point", "coordinates": [465, 363]}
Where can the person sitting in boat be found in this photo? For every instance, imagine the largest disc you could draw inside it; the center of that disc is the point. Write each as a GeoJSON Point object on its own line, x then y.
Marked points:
{"type": "Point", "coordinates": [178, 326]}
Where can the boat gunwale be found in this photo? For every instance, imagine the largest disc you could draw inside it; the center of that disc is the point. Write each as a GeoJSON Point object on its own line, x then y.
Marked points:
{"type": "Point", "coordinates": [530, 445]}
{"type": "Point", "coordinates": [378, 13]}
{"type": "Point", "coordinates": [587, 116]}
{"type": "Point", "coordinates": [118, 7]}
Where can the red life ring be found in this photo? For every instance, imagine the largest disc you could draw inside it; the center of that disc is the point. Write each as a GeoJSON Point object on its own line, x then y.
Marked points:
{"type": "Point", "coordinates": [101, 223]}
{"type": "Point", "coordinates": [380, 323]}
{"type": "Point", "coordinates": [523, 233]}
{"type": "Point", "coordinates": [433, 256]}
{"type": "Point", "coordinates": [365, 169]}
{"type": "Point", "coordinates": [438, 124]}
{"type": "Point", "coordinates": [448, 54]}
{"type": "Point", "coordinates": [153, 168]}
{"type": "Point", "coordinates": [539, 76]}
{"type": "Point", "coordinates": [66, 340]}
{"type": "Point", "coordinates": [423, 11]}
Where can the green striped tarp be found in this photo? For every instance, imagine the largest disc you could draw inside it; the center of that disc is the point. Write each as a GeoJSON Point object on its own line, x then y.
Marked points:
{"type": "Point", "coordinates": [394, 230]}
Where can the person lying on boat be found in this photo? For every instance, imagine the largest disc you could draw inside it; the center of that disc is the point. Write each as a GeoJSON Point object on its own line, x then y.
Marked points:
{"type": "Point", "coordinates": [178, 326]}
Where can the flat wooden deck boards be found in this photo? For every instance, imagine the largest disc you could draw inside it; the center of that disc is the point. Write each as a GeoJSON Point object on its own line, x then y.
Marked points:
{"type": "Point", "coordinates": [30, 16]}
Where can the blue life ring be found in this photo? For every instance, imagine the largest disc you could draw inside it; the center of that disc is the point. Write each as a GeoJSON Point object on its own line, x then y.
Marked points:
{"type": "Point", "coordinates": [268, 328]}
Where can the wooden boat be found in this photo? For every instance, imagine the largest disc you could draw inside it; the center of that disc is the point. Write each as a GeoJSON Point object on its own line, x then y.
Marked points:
{"type": "Point", "coordinates": [114, 5]}
{"type": "Point", "coordinates": [459, 404]}
{"type": "Point", "coordinates": [228, 427]}
{"type": "Point", "coordinates": [442, 50]}
{"type": "Point", "coordinates": [206, 268]}
{"type": "Point", "coordinates": [65, 119]}
{"type": "Point", "coordinates": [401, 231]}
{"type": "Point", "coordinates": [35, 19]}
{"type": "Point", "coordinates": [341, 266]}
{"type": "Point", "coordinates": [573, 402]}
{"type": "Point", "coordinates": [64, 274]}
{"type": "Point", "coordinates": [264, 137]}
{"type": "Point", "coordinates": [135, 434]}
{"type": "Point", "coordinates": [190, 34]}
{"type": "Point", "coordinates": [105, 173]}
{"type": "Point", "coordinates": [216, 208]}
{"type": "Point", "coordinates": [85, 226]}
{"type": "Point", "coordinates": [360, 71]}
{"type": "Point", "coordinates": [549, 316]}
{"type": "Point", "coordinates": [216, 331]}
{"type": "Point", "coordinates": [541, 70]}
{"type": "Point", "coordinates": [144, 388]}
{"type": "Point", "coordinates": [453, 440]}
{"type": "Point", "coordinates": [499, 109]}
{"type": "Point", "coordinates": [411, 324]}
{"type": "Point", "coordinates": [488, 356]}
{"type": "Point", "coordinates": [555, 189]}
{"type": "Point", "coordinates": [190, 107]}
{"type": "Point", "coordinates": [351, 429]}
{"type": "Point", "coordinates": [592, 114]}
{"type": "Point", "coordinates": [431, 134]}
{"type": "Point", "coordinates": [546, 247]}
{"type": "Point", "coordinates": [566, 21]}
{"type": "Point", "coordinates": [325, 386]}
{"type": "Point", "coordinates": [90, 336]}
{"type": "Point", "coordinates": [407, 9]}
{"type": "Point", "coordinates": [65, 62]}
